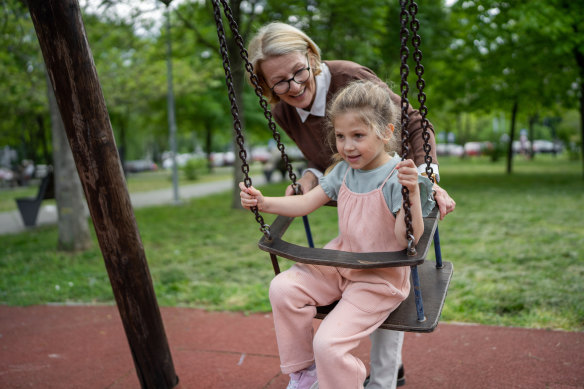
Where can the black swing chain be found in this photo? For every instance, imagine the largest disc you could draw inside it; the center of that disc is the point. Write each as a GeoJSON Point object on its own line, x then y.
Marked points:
{"type": "Point", "coordinates": [416, 41]}
{"type": "Point", "coordinates": [234, 112]}
{"type": "Point", "coordinates": [258, 91]}
{"type": "Point", "coordinates": [404, 88]}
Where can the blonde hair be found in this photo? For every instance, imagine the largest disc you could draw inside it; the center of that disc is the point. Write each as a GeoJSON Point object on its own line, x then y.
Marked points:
{"type": "Point", "coordinates": [374, 107]}
{"type": "Point", "coordinates": [277, 39]}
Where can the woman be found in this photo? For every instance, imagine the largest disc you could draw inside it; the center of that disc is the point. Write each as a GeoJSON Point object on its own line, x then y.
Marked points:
{"type": "Point", "coordinates": [298, 85]}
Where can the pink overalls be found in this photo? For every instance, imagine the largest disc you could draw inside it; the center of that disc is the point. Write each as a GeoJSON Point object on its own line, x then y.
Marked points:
{"type": "Point", "coordinates": [366, 296]}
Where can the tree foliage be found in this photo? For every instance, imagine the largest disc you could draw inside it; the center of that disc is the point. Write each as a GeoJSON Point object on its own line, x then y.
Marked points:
{"type": "Point", "coordinates": [480, 58]}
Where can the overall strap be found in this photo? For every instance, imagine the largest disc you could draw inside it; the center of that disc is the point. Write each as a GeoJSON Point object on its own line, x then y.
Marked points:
{"type": "Point", "coordinates": [387, 178]}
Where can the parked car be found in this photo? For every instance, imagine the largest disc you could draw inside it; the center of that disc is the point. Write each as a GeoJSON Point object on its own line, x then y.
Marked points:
{"type": "Point", "coordinates": [140, 165]}
{"type": "Point", "coordinates": [226, 158]}
{"type": "Point", "coordinates": [449, 149]}
{"type": "Point", "coordinates": [539, 146]}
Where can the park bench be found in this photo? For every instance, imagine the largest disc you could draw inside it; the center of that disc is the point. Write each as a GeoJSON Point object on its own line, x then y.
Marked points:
{"type": "Point", "coordinates": [29, 206]}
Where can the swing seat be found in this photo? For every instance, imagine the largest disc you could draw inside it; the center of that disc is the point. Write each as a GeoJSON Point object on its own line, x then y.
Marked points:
{"type": "Point", "coordinates": [434, 281]}
{"type": "Point", "coordinates": [434, 284]}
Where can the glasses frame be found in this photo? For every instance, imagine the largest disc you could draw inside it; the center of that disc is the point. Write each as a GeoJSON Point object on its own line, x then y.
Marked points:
{"type": "Point", "coordinates": [293, 78]}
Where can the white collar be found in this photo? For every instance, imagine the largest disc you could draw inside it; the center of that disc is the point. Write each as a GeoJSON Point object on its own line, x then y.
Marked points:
{"type": "Point", "coordinates": [323, 81]}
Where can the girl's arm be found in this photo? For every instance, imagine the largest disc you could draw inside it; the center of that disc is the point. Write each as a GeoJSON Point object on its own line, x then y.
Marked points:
{"type": "Point", "coordinates": [293, 206]}
{"type": "Point", "coordinates": [408, 176]}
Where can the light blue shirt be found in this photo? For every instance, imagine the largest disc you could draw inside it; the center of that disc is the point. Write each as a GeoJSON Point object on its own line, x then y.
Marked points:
{"type": "Point", "coordinates": [364, 181]}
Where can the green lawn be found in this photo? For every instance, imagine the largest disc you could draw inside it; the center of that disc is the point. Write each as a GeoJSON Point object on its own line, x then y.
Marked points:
{"type": "Point", "coordinates": [516, 241]}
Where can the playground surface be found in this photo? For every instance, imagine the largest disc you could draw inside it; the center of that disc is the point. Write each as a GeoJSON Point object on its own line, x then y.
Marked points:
{"type": "Point", "coordinates": [85, 347]}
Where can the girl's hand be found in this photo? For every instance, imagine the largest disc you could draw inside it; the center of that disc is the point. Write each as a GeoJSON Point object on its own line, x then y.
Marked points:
{"type": "Point", "coordinates": [250, 197]}
{"type": "Point", "coordinates": [407, 175]}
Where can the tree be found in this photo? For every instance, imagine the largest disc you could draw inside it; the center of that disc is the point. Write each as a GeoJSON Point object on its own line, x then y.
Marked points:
{"type": "Point", "coordinates": [23, 104]}
{"type": "Point", "coordinates": [72, 220]}
{"type": "Point", "coordinates": [503, 56]}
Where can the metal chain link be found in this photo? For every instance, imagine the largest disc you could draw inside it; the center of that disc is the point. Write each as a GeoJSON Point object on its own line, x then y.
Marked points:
{"type": "Point", "coordinates": [258, 90]}
{"type": "Point", "coordinates": [404, 88]}
{"type": "Point", "coordinates": [235, 113]}
{"type": "Point", "coordinates": [416, 41]}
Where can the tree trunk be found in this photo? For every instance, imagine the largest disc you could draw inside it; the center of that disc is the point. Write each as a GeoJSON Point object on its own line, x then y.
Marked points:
{"type": "Point", "coordinates": [43, 137]}
{"type": "Point", "coordinates": [532, 121]}
{"type": "Point", "coordinates": [511, 137]}
{"type": "Point", "coordinates": [72, 219]}
{"type": "Point", "coordinates": [72, 72]}
{"type": "Point", "coordinates": [208, 145]}
{"type": "Point", "coordinates": [579, 55]}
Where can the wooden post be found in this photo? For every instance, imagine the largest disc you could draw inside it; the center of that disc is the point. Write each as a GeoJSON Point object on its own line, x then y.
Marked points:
{"type": "Point", "coordinates": [70, 66]}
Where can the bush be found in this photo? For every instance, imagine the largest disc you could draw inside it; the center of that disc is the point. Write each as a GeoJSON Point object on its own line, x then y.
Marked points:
{"type": "Point", "coordinates": [194, 167]}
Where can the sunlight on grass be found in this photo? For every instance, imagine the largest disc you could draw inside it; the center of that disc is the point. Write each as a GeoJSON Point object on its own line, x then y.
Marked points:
{"type": "Point", "coordinates": [516, 243]}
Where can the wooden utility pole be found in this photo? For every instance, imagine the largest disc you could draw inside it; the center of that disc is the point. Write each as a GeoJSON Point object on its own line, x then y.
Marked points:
{"type": "Point", "coordinates": [72, 72]}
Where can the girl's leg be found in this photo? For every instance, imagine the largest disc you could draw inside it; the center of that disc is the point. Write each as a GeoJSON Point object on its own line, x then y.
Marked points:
{"type": "Point", "coordinates": [294, 295]}
{"type": "Point", "coordinates": [386, 347]}
{"type": "Point", "coordinates": [343, 329]}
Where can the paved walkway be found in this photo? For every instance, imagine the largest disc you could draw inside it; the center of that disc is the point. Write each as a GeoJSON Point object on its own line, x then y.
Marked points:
{"type": "Point", "coordinates": [11, 222]}
{"type": "Point", "coordinates": [85, 346]}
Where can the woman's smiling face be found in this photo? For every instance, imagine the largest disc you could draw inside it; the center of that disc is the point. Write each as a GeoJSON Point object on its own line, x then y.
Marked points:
{"type": "Point", "coordinates": [284, 67]}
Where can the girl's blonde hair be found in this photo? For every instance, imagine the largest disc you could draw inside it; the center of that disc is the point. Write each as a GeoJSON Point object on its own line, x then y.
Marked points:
{"type": "Point", "coordinates": [277, 39]}
{"type": "Point", "coordinates": [372, 103]}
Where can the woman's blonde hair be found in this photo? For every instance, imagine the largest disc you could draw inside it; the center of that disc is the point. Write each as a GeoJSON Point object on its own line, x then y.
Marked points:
{"type": "Point", "coordinates": [277, 39]}
{"type": "Point", "coordinates": [372, 103]}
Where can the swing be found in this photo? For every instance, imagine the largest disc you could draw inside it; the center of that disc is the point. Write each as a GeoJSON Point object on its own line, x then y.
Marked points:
{"type": "Point", "coordinates": [413, 314]}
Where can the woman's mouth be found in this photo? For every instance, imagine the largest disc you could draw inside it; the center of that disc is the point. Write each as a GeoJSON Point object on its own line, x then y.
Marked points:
{"type": "Point", "coordinates": [299, 93]}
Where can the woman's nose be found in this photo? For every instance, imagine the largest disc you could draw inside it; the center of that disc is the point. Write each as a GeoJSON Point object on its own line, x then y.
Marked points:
{"type": "Point", "coordinates": [294, 88]}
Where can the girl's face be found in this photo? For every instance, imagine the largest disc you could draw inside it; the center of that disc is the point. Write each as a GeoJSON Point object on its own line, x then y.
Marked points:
{"type": "Point", "coordinates": [283, 68]}
{"type": "Point", "coordinates": [358, 143]}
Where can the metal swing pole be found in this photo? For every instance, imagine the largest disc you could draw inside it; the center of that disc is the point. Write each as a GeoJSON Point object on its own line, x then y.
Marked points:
{"type": "Point", "coordinates": [72, 72]}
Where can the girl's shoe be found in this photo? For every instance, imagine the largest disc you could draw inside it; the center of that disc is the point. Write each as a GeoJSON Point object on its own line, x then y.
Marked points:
{"type": "Point", "coordinates": [304, 379]}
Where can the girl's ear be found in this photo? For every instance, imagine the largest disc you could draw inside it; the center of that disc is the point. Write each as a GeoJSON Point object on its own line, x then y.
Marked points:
{"type": "Point", "coordinates": [388, 133]}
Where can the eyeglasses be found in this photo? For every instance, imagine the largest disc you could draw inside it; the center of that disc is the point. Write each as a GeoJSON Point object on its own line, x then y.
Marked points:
{"type": "Point", "coordinates": [300, 77]}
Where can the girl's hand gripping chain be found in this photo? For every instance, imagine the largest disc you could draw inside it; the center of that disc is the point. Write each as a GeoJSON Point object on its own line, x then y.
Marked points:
{"type": "Point", "coordinates": [250, 197]}
{"type": "Point", "coordinates": [408, 175]}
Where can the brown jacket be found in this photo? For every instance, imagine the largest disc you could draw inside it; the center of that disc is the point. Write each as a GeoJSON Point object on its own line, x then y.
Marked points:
{"type": "Point", "coordinates": [310, 136]}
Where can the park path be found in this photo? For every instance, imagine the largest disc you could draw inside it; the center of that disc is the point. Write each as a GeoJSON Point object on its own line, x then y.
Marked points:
{"type": "Point", "coordinates": [11, 222]}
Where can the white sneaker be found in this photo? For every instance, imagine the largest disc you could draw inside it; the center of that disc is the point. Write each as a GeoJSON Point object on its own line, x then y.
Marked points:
{"type": "Point", "coordinates": [304, 379]}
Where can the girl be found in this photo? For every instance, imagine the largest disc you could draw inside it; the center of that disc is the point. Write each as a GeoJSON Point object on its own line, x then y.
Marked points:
{"type": "Point", "coordinates": [367, 186]}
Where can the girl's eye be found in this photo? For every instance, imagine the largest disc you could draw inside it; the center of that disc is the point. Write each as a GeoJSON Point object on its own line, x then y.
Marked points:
{"type": "Point", "coordinates": [359, 135]}
{"type": "Point", "coordinates": [339, 136]}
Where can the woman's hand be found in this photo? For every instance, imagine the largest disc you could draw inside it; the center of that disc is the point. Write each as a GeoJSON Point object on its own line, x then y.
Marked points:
{"type": "Point", "coordinates": [250, 197]}
{"type": "Point", "coordinates": [446, 204]}
{"type": "Point", "coordinates": [306, 182]}
{"type": "Point", "coordinates": [407, 175]}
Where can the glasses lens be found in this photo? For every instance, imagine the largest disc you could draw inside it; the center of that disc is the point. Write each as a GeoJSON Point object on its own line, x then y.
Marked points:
{"type": "Point", "coordinates": [281, 87]}
{"type": "Point", "coordinates": [301, 76]}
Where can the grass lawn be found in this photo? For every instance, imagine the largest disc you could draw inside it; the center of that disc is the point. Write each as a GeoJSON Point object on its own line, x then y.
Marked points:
{"type": "Point", "coordinates": [516, 241]}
